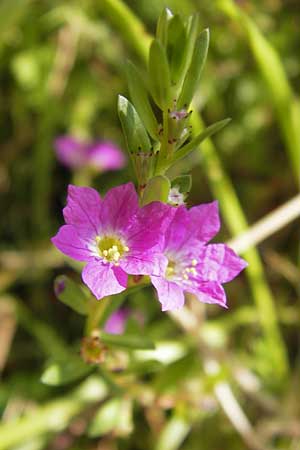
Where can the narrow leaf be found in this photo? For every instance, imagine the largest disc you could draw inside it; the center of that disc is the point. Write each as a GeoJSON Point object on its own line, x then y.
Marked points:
{"type": "Point", "coordinates": [159, 74]}
{"type": "Point", "coordinates": [135, 133]}
{"type": "Point", "coordinates": [176, 46]}
{"type": "Point", "coordinates": [127, 341]}
{"type": "Point", "coordinates": [162, 26]}
{"type": "Point", "coordinates": [139, 96]}
{"type": "Point", "coordinates": [209, 131]}
{"type": "Point", "coordinates": [191, 80]}
{"type": "Point", "coordinates": [63, 372]}
{"type": "Point", "coordinates": [71, 294]}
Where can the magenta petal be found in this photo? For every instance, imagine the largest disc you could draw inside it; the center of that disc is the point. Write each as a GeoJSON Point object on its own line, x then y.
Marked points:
{"type": "Point", "coordinates": [82, 210]}
{"type": "Point", "coordinates": [210, 292]}
{"type": "Point", "coordinates": [170, 295]}
{"type": "Point", "coordinates": [118, 208]}
{"type": "Point", "coordinates": [219, 263]}
{"type": "Point", "coordinates": [180, 230]}
{"type": "Point", "coordinates": [120, 275]}
{"type": "Point", "coordinates": [106, 156]}
{"type": "Point", "coordinates": [147, 263]}
{"type": "Point", "coordinates": [149, 226]}
{"type": "Point", "coordinates": [103, 279]}
{"type": "Point", "coordinates": [70, 243]}
{"type": "Point", "coordinates": [206, 221]}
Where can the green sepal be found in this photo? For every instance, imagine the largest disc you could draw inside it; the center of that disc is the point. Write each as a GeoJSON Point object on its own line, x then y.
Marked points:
{"type": "Point", "coordinates": [192, 77]}
{"type": "Point", "coordinates": [157, 189]}
{"type": "Point", "coordinates": [63, 372]}
{"type": "Point", "coordinates": [183, 182]}
{"type": "Point", "coordinates": [136, 342]}
{"type": "Point", "coordinates": [71, 294]}
{"type": "Point", "coordinates": [191, 146]}
{"type": "Point", "coordinates": [136, 136]}
{"type": "Point", "coordinates": [175, 47]}
{"type": "Point", "coordinates": [159, 74]}
{"type": "Point", "coordinates": [162, 26]}
{"type": "Point", "coordinates": [139, 96]}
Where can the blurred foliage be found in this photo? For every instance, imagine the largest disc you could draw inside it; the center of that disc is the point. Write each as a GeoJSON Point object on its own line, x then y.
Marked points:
{"type": "Point", "coordinates": [61, 69]}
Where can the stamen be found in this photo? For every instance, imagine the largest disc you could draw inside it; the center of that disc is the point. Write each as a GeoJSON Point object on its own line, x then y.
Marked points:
{"type": "Point", "coordinates": [111, 248]}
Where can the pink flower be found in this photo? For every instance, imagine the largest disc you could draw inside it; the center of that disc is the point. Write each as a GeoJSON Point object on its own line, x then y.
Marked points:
{"type": "Point", "coordinates": [193, 265]}
{"type": "Point", "coordinates": [99, 155]}
{"type": "Point", "coordinates": [113, 235]}
{"type": "Point", "coordinates": [115, 324]}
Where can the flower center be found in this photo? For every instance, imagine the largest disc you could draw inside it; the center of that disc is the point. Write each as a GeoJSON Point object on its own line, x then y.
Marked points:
{"type": "Point", "coordinates": [179, 271]}
{"type": "Point", "coordinates": [111, 248]}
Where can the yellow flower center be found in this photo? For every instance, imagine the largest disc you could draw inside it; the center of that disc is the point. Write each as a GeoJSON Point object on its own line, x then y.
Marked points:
{"type": "Point", "coordinates": [170, 269]}
{"type": "Point", "coordinates": [111, 248]}
{"type": "Point", "coordinates": [176, 271]}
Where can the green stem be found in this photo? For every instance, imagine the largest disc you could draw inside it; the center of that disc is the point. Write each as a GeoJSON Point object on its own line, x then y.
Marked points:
{"type": "Point", "coordinates": [236, 222]}
{"type": "Point", "coordinates": [97, 308]}
{"type": "Point", "coordinates": [223, 190]}
{"type": "Point", "coordinates": [286, 105]}
{"type": "Point", "coordinates": [164, 153]}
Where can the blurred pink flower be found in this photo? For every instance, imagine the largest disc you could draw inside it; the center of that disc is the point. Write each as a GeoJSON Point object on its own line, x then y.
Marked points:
{"type": "Point", "coordinates": [100, 155]}
{"type": "Point", "coordinates": [115, 324]}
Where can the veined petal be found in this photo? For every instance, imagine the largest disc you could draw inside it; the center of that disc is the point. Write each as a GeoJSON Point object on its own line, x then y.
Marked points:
{"type": "Point", "coordinates": [71, 244]}
{"type": "Point", "coordinates": [170, 295]}
{"type": "Point", "coordinates": [178, 232]}
{"type": "Point", "coordinates": [148, 263]}
{"type": "Point", "coordinates": [118, 208]}
{"type": "Point", "coordinates": [209, 292]}
{"type": "Point", "coordinates": [217, 262]}
{"type": "Point", "coordinates": [205, 220]}
{"type": "Point", "coordinates": [82, 210]}
{"type": "Point", "coordinates": [104, 279]}
{"type": "Point", "coordinates": [149, 226]}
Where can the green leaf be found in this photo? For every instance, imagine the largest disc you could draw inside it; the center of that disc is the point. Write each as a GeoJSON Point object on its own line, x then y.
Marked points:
{"type": "Point", "coordinates": [63, 372]}
{"type": "Point", "coordinates": [192, 33]}
{"type": "Point", "coordinates": [159, 74]}
{"type": "Point", "coordinates": [127, 341]}
{"type": "Point", "coordinates": [135, 133]}
{"type": "Point", "coordinates": [191, 146]}
{"type": "Point", "coordinates": [173, 434]}
{"type": "Point", "coordinates": [176, 46]}
{"type": "Point", "coordinates": [71, 294]}
{"type": "Point", "coordinates": [183, 182]}
{"type": "Point", "coordinates": [125, 424]}
{"type": "Point", "coordinates": [162, 26]}
{"type": "Point", "coordinates": [157, 189]}
{"type": "Point", "coordinates": [177, 372]}
{"type": "Point", "coordinates": [106, 418]}
{"type": "Point", "coordinates": [139, 96]}
{"type": "Point", "coordinates": [191, 80]}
